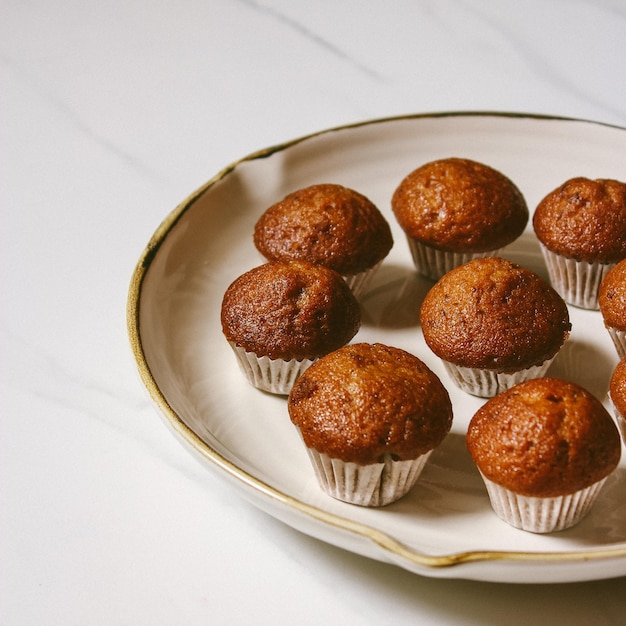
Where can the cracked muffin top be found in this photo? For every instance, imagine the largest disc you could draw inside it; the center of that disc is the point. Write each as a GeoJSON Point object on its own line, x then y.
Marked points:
{"type": "Point", "coordinates": [365, 401]}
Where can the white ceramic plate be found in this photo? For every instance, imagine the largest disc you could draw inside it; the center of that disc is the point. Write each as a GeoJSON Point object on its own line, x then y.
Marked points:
{"type": "Point", "coordinates": [445, 526]}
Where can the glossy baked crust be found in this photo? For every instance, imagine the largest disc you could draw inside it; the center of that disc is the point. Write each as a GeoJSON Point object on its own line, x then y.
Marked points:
{"type": "Point", "coordinates": [617, 387]}
{"type": "Point", "coordinates": [493, 314]}
{"type": "Point", "coordinates": [365, 401]}
{"type": "Point", "coordinates": [327, 224]}
{"type": "Point", "coordinates": [290, 310]}
{"type": "Point", "coordinates": [585, 220]}
{"type": "Point", "coordinates": [612, 297]}
{"type": "Point", "coordinates": [544, 438]}
{"type": "Point", "coordinates": [460, 205]}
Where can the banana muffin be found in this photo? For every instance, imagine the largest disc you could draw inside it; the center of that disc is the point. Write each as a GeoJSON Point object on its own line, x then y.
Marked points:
{"type": "Point", "coordinates": [544, 449]}
{"type": "Point", "coordinates": [453, 210]}
{"type": "Point", "coordinates": [494, 324]}
{"type": "Point", "coordinates": [581, 226]}
{"type": "Point", "coordinates": [612, 303]}
{"type": "Point", "coordinates": [369, 416]}
{"type": "Point", "coordinates": [617, 394]}
{"type": "Point", "coordinates": [330, 225]}
{"type": "Point", "coordinates": [281, 316]}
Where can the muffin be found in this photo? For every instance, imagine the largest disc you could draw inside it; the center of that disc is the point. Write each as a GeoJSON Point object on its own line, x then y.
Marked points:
{"type": "Point", "coordinates": [330, 225]}
{"type": "Point", "coordinates": [617, 394]}
{"type": "Point", "coordinates": [494, 324]}
{"type": "Point", "coordinates": [612, 303]}
{"type": "Point", "coordinates": [453, 210]}
{"type": "Point", "coordinates": [369, 416]}
{"type": "Point", "coordinates": [544, 449]}
{"type": "Point", "coordinates": [582, 230]}
{"type": "Point", "coordinates": [281, 316]}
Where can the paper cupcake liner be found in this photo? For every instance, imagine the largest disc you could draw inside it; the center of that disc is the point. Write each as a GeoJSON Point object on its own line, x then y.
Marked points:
{"type": "Point", "coordinates": [374, 485]}
{"type": "Point", "coordinates": [489, 383]}
{"type": "Point", "coordinates": [272, 375]}
{"type": "Point", "coordinates": [542, 515]}
{"type": "Point", "coordinates": [577, 282]}
{"type": "Point", "coordinates": [619, 419]}
{"type": "Point", "coordinates": [358, 282]}
{"type": "Point", "coordinates": [434, 263]}
{"type": "Point", "coordinates": [619, 340]}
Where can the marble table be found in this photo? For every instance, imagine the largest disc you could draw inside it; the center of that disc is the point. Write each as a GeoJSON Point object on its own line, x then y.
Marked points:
{"type": "Point", "coordinates": [111, 114]}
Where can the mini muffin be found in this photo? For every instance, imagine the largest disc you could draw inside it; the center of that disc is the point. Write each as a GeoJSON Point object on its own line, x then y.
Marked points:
{"type": "Point", "coordinates": [330, 225]}
{"type": "Point", "coordinates": [581, 226]}
{"type": "Point", "coordinates": [369, 416]}
{"type": "Point", "coordinates": [453, 210]}
{"type": "Point", "coordinates": [281, 316]}
{"type": "Point", "coordinates": [494, 324]}
{"type": "Point", "coordinates": [612, 302]}
{"type": "Point", "coordinates": [544, 449]}
{"type": "Point", "coordinates": [617, 394]}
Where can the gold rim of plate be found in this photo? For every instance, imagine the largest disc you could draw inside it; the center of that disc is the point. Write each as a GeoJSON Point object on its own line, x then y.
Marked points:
{"type": "Point", "coordinates": [378, 537]}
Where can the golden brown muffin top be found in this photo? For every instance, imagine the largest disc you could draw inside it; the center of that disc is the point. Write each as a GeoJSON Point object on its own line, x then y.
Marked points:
{"type": "Point", "coordinates": [365, 401]}
{"type": "Point", "coordinates": [290, 310]}
{"type": "Point", "coordinates": [460, 205]}
{"type": "Point", "coordinates": [617, 387]}
{"type": "Point", "coordinates": [327, 224]}
{"type": "Point", "coordinates": [493, 314]}
{"type": "Point", "coordinates": [585, 220]}
{"type": "Point", "coordinates": [612, 297]}
{"type": "Point", "coordinates": [544, 438]}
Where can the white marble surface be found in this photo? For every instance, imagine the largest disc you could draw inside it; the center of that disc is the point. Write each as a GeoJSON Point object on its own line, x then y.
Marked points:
{"type": "Point", "coordinates": [111, 113]}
